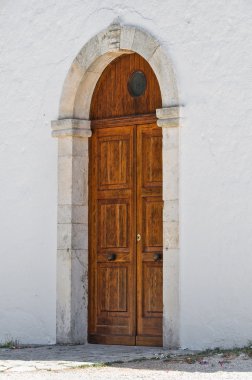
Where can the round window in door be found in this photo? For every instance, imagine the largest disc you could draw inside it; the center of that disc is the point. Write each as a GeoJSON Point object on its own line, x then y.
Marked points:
{"type": "Point", "coordinates": [137, 84]}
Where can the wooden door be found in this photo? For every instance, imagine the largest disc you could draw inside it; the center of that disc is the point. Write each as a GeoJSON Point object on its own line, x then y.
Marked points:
{"type": "Point", "coordinates": [149, 216]}
{"type": "Point", "coordinates": [125, 287]}
{"type": "Point", "coordinates": [125, 210]}
{"type": "Point", "coordinates": [112, 249]}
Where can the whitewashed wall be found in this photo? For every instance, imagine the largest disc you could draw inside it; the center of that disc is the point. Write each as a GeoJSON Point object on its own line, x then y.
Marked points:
{"type": "Point", "coordinates": [211, 47]}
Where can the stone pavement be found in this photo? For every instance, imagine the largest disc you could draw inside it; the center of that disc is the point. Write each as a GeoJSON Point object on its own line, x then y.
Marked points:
{"type": "Point", "coordinates": [59, 357]}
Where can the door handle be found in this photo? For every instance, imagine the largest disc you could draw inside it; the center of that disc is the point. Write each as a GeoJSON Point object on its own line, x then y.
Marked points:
{"type": "Point", "coordinates": [111, 257]}
{"type": "Point", "coordinates": [138, 237]}
{"type": "Point", "coordinates": [157, 256]}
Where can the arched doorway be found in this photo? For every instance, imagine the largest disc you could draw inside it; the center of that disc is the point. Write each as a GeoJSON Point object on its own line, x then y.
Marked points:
{"type": "Point", "coordinates": [125, 206]}
{"type": "Point", "coordinates": [73, 130]}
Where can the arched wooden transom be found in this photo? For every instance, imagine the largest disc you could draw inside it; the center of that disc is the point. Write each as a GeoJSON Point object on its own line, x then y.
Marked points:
{"type": "Point", "coordinates": [111, 96]}
{"type": "Point", "coordinates": [125, 208]}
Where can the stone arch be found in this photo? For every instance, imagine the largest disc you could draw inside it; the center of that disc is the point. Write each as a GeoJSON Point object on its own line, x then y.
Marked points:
{"type": "Point", "coordinates": [73, 129]}
{"type": "Point", "coordinates": [98, 53]}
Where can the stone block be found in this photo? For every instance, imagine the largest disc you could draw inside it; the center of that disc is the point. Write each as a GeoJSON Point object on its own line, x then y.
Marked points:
{"type": "Point", "coordinates": [71, 297]}
{"type": "Point", "coordinates": [168, 117]}
{"type": "Point", "coordinates": [143, 44]}
{"type": "Point", "coordinates": [89, 53]}
{"type": "Point", "coordinates": [72, 214]}
{"type": "Point", "coordinates": [85, 91]}
{"type": "Point", "coordinates": [71, 128]}
{"type": "Point", "coordinates": [80, 148]}
{"type": "Point", "coordinates": [70, 88]}
{"type": "Point", "coordinates": [167, 113]}
{"type": "Point", "coordinates": [171, 211]}
{"type": "Point", "coordinates": [65, 147]}
{"type": "Point", "coordinates": [170, 139]}
{"type": "Point", "coordinates": [64, 214]}
{"type": "Point", "coordinates": [168, 123]}
{"type": "Point", "coordinates": [73, 179]}
{"type": "Point", "coordinates": [170, 185]}
{"type": "Point", "coordinates": [163, 69]}
{"type": "Point", "coordinates": [79, 236]}
{"type": "Point", "coordinates": [170, 164]}
{"type": "Point", "coordinates": [79, 296]}
{"type": "Point", "coordinates": [80, 181]}
{"type": "Point", "coordinates": [127, 38]}
{"type": "Point", "coordinates": [64, 290]}
{"type": "Point", "coordinates": [171, 299]}
{"type": "Point", "coordinates": [113, 36]}
{"type": "Point", "coordinates": [79, 214]}
{"type": "Point", "coordinates": [65, 180]}
{"type": "Point", "coordinates": [171, 235]}
{"type": "Point", "coordinates": [171, 158]}
{"type": "Point", "coordinates": [64, 240]}
{"type": "Point", "coordinates": [102, 62]}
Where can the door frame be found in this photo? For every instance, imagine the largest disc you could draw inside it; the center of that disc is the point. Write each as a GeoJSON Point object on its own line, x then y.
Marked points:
{"type": "Point", "coordinates": [73, 130]}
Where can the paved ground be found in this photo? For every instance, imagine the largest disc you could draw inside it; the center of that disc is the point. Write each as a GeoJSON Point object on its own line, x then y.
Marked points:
{"type": "Point", "coordinates": [64, 357]}
{"type": "Point", "coordinates": [75, 363]}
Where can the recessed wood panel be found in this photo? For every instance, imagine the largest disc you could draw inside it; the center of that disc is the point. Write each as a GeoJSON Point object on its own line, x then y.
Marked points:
{"type": "Point", "coordinates": [152, 290]}
{"type": "Point", "coordinates": [112, 289]}
{"type": "Point", "coordinates": [152, 223]}
{"type": "Point", "coordinates": [113, 224]}
{"type": "Point", "coordinates": [152, 158]}
{"type": "Point", "coordinates": [114, 156]}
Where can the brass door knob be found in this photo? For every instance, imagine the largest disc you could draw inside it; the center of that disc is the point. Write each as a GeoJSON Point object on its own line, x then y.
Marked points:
{"type": "Point", "coordinates": [138, 237]}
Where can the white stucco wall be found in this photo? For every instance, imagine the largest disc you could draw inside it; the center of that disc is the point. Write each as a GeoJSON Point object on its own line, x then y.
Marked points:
{"type": "Point", "coordinates": [211, 47]}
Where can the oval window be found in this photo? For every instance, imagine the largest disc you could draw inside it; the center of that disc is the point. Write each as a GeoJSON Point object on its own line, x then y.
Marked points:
{"type": "Point", "coordinates": [137, 84]}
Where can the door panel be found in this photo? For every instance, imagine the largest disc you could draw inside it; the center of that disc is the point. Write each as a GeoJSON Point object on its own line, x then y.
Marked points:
{"type": "Point", "coordinates": [152, 283]}
{"type": "Point", "coordinates": [112, 282]}
{"type": "Point", "coordinates": [125, 199]}
{"type": "Point", "coordinates": [152, 224]}
{"type": "Point", "coordinates": [114, 167]}
{"type": "Point", "coordinates": [150, 227]}
{"type": "Point", "coordinates": [151, 146]}
{"type": "Point", "coordinates": [113, 217]}
{"type": "Point", "coordinates": [112, 250]}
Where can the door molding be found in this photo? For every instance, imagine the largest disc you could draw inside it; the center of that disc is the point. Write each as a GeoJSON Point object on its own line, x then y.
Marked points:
{"type": "Point", "coordinates": [72, 130]}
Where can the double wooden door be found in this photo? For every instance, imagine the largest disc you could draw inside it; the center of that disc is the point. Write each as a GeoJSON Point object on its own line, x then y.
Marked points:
{"type": "Point", "coordinates": [125, 239]}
